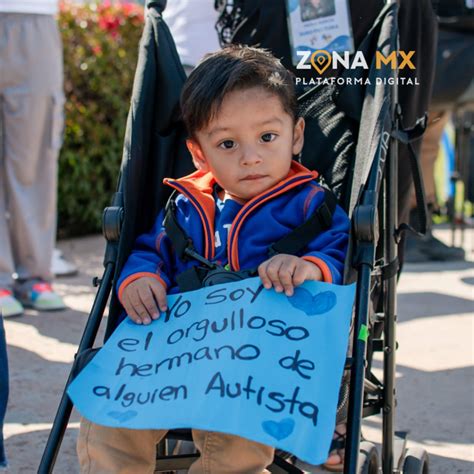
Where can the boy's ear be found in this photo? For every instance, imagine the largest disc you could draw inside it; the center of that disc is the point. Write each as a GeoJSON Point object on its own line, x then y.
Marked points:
{"type": "Point", "coordinates": [298, 136]}
{"type": "Point", "coordinates": [199, 158]}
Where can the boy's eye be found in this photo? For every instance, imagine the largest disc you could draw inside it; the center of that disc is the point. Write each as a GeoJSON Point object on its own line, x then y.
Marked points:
{"type": "Point", "coordinates": [268, 137]}
{"type": "Point", "coordinates": [227, 144]}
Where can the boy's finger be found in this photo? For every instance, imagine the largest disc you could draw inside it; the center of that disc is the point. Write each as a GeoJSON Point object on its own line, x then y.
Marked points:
{"type": "Point", "coordinates": [262, 273]}
{"type": "Point", "coordinates": [160, 297]}
{"type": "Point", "coordinates": [285, 274]}
{"type": "Point", "coordinates": [135, 316]}
{"type": "Point", "coordinates": [299, 276]}
{"type": "Point", "coordinates": [149, 303]}
{"type": "Point", "coordinates": [143, 315]}
{"type": "Point", "coordinates": [132, 314]}
{"type": "Point", "coordinates": [273, 269]}
{"type": "Point", "coordinates": [134, 305]}
{"type": "Point", "coordinates": [140, 309]}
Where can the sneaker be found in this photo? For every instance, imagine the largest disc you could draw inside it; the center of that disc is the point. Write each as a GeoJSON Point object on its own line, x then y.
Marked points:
{"type": "Point", "coordinates": [9, 305]}
{"type": "Point", "coordinates": [430, 249]}
{"type": "Point", "coordinates": [60, 266]}
{"type": "Point", "coordinates": [39, 295]}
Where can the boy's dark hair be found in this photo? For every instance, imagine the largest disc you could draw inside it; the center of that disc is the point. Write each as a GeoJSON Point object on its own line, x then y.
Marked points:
{"type": "Point", "coordinates": [233, 68]}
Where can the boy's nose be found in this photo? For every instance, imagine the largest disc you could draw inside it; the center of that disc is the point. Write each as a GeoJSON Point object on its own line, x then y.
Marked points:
{"type": "Point", "coordinates": [250, 156]}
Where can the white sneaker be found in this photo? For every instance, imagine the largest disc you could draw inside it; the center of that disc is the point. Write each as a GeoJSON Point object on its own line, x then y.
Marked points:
{"type": "Point", "coordinates": [60, 266]}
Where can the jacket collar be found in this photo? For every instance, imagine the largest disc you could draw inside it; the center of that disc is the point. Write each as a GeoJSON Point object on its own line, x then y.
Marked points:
{"type": "Point", "coordinates": [201, 184]}
{"type": "Point", "coordinates": [198, 188]}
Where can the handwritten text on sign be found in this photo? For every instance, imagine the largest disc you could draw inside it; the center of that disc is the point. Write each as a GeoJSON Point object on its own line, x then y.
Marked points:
{"type": "Point", "coordinates": [233, 358]}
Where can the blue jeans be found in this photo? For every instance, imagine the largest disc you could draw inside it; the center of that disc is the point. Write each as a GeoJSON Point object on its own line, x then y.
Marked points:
{"type": "Point", "coordinates": [3, 389]}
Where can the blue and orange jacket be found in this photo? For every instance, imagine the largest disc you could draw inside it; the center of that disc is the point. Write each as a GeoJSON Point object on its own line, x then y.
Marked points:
{"type": "Point", "coordinates": [262, 221]}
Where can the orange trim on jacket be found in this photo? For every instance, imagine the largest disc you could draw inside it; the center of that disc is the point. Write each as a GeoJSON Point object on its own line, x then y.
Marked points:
{"type": "Point", "coordinates": [198, 188]}
{"type": "Point", "coordinates": [322, 265]}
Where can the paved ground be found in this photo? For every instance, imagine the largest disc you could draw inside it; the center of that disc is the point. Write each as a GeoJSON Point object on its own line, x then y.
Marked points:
{"type": "Point", "coordinates": [434, 376]}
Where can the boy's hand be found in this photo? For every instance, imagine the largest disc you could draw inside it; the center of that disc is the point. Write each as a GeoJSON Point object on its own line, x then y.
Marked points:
{"type": "Point", "coordinates": [284, 272]}
{"type": "Point", "coordinates": [140, 300]}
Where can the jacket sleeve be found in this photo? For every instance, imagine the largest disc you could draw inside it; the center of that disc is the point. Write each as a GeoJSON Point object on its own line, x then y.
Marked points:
{"type": "Point", "coordinates": [151, 256]}
{"type": "Point", "coordinates": [328, 249]}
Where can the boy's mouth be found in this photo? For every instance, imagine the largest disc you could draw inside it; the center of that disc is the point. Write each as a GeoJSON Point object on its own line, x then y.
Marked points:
{"type": "Point", "coordinates": [253, 177]}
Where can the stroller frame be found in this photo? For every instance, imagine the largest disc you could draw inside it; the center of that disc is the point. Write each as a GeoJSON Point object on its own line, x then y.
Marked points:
{"type": "Point", "coordinates": [375, 231]}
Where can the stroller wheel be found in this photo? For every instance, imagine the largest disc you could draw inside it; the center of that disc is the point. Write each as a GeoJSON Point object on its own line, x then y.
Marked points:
{"type": "Point", "coordinates": [368, 458]}
{"type": "Point", "coordinates": [416, 461]}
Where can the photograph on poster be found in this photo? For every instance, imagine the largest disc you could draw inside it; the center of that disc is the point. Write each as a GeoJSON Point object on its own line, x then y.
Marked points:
{"type": "Point", "coordinates": [313, 9]}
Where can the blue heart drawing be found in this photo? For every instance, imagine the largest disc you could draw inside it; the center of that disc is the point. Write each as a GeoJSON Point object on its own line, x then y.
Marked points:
{"type": "Point", "coordinates": [312, 305]}
{"type": "Point", "coordinates": [279, 429]}
{"type": "Point", "coordinates": [122, 417]}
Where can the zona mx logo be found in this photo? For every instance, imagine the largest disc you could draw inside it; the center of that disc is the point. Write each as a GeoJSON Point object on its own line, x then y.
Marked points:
{"type": "Point", "coordinates": [321, 59]}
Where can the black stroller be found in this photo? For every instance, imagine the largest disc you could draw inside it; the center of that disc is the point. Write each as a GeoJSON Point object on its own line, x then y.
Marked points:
{"type": "Point", "coordinates": [355, 131]}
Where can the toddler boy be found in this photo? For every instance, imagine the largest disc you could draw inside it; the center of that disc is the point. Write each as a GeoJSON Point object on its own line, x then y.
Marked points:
{"type": "Point", "coordinates": [239, 107]}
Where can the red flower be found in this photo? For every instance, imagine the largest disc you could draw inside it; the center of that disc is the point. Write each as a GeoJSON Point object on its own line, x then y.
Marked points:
{"type": "Point", "coordinates": [109, 22]}
{"type": "Point", "coordinates": [97, 50]}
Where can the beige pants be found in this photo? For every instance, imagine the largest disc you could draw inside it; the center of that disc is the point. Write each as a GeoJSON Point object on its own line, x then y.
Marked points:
{"type": "Point", "coordinates": [31, 122]}
{"type": "Point", "coordinates": [103, 450]}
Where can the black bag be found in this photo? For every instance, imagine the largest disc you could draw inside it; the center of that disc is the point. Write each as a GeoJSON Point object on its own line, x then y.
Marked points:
{"type": "Point", "coordinates": [455, 15]}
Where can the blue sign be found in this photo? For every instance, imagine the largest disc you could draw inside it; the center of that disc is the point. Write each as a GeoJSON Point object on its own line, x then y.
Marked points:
{"type": "Point", "coordinates": [233, 358]}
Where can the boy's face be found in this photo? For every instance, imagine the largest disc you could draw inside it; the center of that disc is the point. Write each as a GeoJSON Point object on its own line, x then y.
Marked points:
{"type": "Point", "coordinates": [249, 144]}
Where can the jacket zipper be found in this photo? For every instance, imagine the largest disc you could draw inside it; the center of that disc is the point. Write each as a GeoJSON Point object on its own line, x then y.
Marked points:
{"type": "Point", "coordinates": [249, 207]}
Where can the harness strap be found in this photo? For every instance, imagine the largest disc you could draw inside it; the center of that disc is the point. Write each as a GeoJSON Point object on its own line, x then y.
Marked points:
{"type": "Point", "coordinates": [174, 231]}
{"type": "Point", "coordinates": [191, 279]}
{"type": "Point", "coordinates": [182, 243]}
{"type": "Point", "coordinates": [390, 270]}
{"type": "Point", "coordinates": [300, 237]}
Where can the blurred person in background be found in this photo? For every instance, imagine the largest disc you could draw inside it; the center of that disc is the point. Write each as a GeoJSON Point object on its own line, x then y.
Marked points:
{"type": "Point", "coordinates": [31, 115]}
{"type": "Point", "coordinates": [192, 25]}
{"type": "Point", "coordinates": [453, 84]}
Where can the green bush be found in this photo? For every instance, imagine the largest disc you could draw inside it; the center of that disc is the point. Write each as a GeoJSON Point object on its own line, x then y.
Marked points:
{"type": "Point", "coordinates": [100, 44]}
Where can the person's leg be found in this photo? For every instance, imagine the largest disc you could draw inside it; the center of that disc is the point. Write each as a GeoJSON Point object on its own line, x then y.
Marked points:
{"type": "Point", "coordinates": [33, 127]}
{"type": "Point", "coordinates": [6, 258]}
{"type": "Point", "coordinates": [9, 305]}
{"type": "Point", "coordinates": [3, 389]}
{"type": "Point", "coordinates": [429, 248]}
{"type": "Point", "coordinates": [429, 152]}
{"type": "Point", "coordinates": [227, 454]}
{"type": "Point", "coordinates": [33, 106]}
{"type": "Point", "coordinates": [103, 450]}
